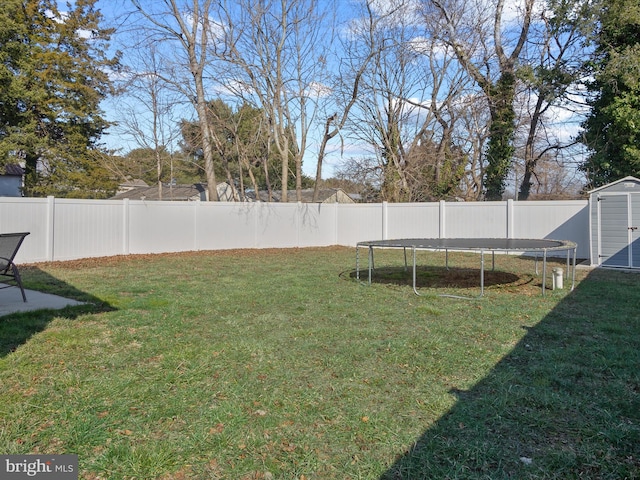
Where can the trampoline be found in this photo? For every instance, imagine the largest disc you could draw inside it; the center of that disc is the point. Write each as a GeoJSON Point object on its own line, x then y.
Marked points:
{"type": "Point", "coordinates": [481, 245]}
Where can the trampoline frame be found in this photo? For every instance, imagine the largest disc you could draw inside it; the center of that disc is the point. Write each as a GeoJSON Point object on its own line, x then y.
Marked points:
{"type": "Point", "coordinates": [482, 245]}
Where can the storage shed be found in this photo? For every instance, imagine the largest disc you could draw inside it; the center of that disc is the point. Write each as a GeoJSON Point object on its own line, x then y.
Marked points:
{"type": "Point", "coordinates": [614, 220]}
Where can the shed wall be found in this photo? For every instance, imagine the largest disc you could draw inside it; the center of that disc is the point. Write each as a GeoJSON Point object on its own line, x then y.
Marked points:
{"type": "Point", "coordinates": [614, 219]}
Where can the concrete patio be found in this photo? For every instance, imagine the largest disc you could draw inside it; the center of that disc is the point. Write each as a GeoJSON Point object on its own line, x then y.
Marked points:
{"type": "Point", "coordinates": [11, 301]}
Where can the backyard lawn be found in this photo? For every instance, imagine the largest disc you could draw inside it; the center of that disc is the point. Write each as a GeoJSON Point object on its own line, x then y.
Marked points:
{"type": "Point", "coordinates": [277, 364]}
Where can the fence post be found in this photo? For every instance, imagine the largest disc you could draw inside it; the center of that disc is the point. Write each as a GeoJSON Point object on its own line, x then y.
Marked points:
{"type": "Point", "coordinates": [336, 234]}
{"type": "Point", "coordinates": [257, 212]}
{"type": "Point", "coordinates": [298, 222]}
{"type": "Point", "coordinates": [50, 234]}
{"type": "Point", "coordinates": [510, 218]}
{"type": "Point", "coordinates": [196, 209]}
{"type": "Point", "coordinates": [442, 225]}
{"type": "Point", "coordinates": [125, 226]}
{"type": "Point", "coordinates": [385, 224]}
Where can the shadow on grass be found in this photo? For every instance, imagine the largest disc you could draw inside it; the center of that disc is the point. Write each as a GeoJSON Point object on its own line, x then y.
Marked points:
{"type": "Point", "coordinates": [441, 277]}
{"type": "Point", "coordinates": [17, 328]}
{"type": "Point", "coordinates": [565, 403]}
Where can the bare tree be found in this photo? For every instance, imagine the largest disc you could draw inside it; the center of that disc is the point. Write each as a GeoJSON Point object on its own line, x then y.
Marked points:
{"type": "Point", "coordinates": [473, 117]}
{"type": "Point", "coordinates": [409, 107]}
{"type": "Point", "coordinates": [249, 151]}
{"type": "Point", "coordinates": [447, 143]}
{"type": "Point", "coordinates": [476, 32]}
{"type": "Point", "coordinates": [277, 49]}
{"type": "Point", "coordinates": [185, 30]}
{"type": "Point", "coordinates": [556, 56]}
{"type": "Point", "coordinates": [554, 179]}
{"type": "Point", "coordinates": [147, 112]}
{"type": "Point", "coordinates": [356, 62]}
{"type": "Point", "coordinates": [382, 118]}
{"type": "Point", "coordinates": [364, 177]}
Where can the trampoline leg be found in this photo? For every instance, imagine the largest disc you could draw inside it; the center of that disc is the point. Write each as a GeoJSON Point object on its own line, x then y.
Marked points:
{"type": "Point", "coordinates": [482, 272]}
{"type": "Point", "coordinates": [415, 289]}
{"type": "Point", "coordinates": [544, 271]}
{"type": "Point", "coordinates": [357, 263]}
{"type": "Point", "coordinates": [370, 263]}
{"type": "Point", "coordinates": [405, 258]}
{"type": "Point", "coordinates": [573, 275]}
{"type": "Point", "coordinates": [373, 261]}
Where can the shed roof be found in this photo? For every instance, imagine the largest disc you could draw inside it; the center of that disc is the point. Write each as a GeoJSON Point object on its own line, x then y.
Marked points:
{"type": "Point", "coordinates": [631, 182]}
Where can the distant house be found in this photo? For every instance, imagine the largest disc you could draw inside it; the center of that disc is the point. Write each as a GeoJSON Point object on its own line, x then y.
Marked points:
{"type": "Point", "coordinates": [139, 190]}
{"type": "Point", "coordinates": [131, 184]}
{"type": "Point", "coordinates": [170, 192]}
{"type": "Point", "coordinates": [325, 195]}
{"type": "Point", "coordinates": [11, 180]}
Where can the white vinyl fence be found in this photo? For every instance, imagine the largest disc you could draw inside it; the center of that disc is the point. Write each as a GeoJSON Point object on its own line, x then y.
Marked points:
{"type": "Point", "coordinates": [66, 229]}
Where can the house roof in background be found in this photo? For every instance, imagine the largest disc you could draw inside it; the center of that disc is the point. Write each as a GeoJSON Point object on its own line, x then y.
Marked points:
{"type": "Point", "coordinates": [12, 169]}
{"type": "Point", "coordinates": [197, 191]}
{"type": "Point", "coordinates": [135, 183]}
{"type": "Point", "coordinates": [325, 195]}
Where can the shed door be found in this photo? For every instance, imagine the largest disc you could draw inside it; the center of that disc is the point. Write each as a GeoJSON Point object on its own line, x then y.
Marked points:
{"type": "Point", "coordinates": [619, 232]}
{"type": "Point", "coordinates": [634, 229]}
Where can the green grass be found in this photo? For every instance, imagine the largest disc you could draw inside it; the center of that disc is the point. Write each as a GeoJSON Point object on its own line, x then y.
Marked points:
{"type": "Point", "coordinates": [278, 364]}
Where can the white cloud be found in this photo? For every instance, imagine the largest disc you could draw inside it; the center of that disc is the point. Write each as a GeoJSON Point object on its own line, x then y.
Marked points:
{"type": "Point", "coordinates": [425, 46]}
{"type": "Point", "coordinates": [318, 90]}
{"type": "Point", "coordinates": [401, 11]}
{"type": "Point", "coordinates": [514, 10]}
{"type": "Point", "coordinates": [62, 17]}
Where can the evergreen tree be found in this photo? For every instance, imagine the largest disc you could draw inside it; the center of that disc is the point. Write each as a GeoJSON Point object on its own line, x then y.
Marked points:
{"type": "Point", "coordinates": [612, 129]}
{"type": "Point", "coordinates": [53, 75]}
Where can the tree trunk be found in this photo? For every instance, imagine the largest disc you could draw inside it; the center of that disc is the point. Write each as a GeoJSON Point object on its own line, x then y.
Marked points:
{"type": "Point", "coordinates": [501, 131]}
{"type": "Point", "coordinates": [529, 159]}
{"type": "Point", "coordinates": [500, 95]}
{"type": "Point", "coordinates": [207, 148]}
{"type": "Point", "coordinates": [323, 145]}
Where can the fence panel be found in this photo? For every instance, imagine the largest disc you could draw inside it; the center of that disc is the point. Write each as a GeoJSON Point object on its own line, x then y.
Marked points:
{"type": "Point", "coordinates": [28, 215]}
{"type": "Point", "coordinates": [476, 220]}
{"type": "Point", "coordinates": [225, 225]}
{"type": "Point", "coordinates": [413, 220]}
{"type": "Point", "coordinates": [87, 228]}
{"type": "Point", "coordinates": [65, 229]}
{"type": "Point", "coordinates": [358, 222]}
{"type": "Point", "coordinates": [317, 223]}
{"type": "Point", "coordinates": [158, 227]}
{"type": "Point", "coordinates": [277, 225]}
{"type": "Point", "coordinates": [567, 220]}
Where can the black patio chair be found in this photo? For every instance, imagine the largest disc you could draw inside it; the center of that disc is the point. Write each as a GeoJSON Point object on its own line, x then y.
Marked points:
{"type": "Point", "coordinates": [9, 246]}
